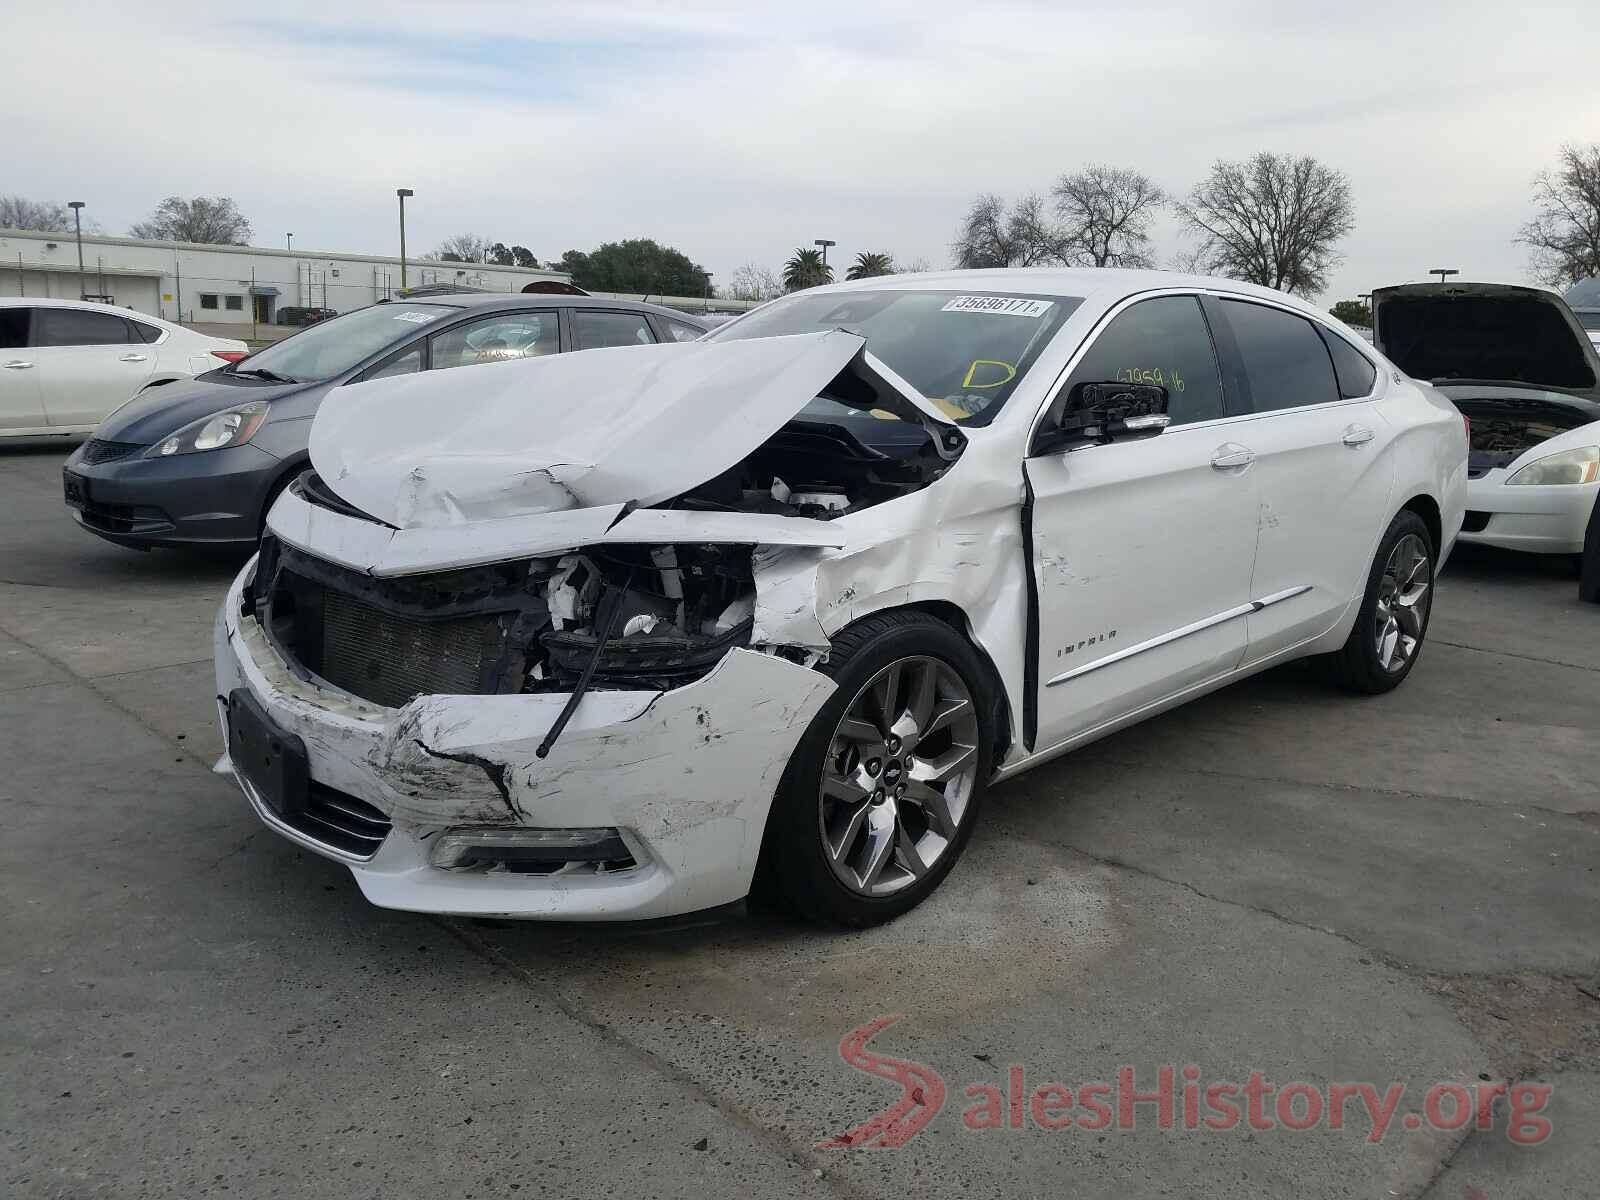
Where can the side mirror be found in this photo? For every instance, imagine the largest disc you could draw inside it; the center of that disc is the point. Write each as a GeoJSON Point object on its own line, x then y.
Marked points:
{"type": "Point", "coordinates": [1112, 411]}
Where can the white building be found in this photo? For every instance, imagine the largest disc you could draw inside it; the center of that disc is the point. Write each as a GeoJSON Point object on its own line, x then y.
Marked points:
{"type": "Point", "coordinates": [225, 284]}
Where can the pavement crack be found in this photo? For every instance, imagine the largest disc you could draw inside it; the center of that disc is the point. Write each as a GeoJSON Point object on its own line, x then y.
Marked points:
{"type": "Point", "coordinates": [1552, 662]}
{"type": "Point", "coordinates": [796, 1154]}
{"type": "Point", "coordinates": [1108, 860]}
{"type": "Point", "coordinates": [1372, 789]}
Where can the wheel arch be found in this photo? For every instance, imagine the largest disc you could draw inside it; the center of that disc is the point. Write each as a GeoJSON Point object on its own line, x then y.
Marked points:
{"type": "Point", "coordinates": [1426, 507]}
{"type": "Point", "coordinates": [285, 476]}
{"type": "Point", "coordinates": [949, 613]}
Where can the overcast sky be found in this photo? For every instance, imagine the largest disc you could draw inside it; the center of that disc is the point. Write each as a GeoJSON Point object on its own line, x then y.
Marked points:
{"type": "Point", "coordinates": [737, 131]}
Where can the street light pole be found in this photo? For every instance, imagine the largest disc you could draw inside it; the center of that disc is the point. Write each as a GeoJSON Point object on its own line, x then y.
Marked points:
{"type": "Point", "coordinates": [403, 193]}
{"type": "Point", "coordinates": [1443, 272]}
{"type": "Point", "coordinates": [288, 241]}
{"type": "Point", "coordinates": [824, 243]}
{"type": "Point", "coordinates": [77, 224]}
{"type": "Point", "coordinates": [705, 299]}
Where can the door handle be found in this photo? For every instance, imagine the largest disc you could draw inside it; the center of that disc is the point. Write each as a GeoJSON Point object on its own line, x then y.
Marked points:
{"type": "Point", "coordinates": [132, 358]}
{"type": "Point", "coordinates": [18, 365]}
{"type": "Point", "coordinates": [1230, 456]}
{"type": "Point", "coordinates": [1357, 435]}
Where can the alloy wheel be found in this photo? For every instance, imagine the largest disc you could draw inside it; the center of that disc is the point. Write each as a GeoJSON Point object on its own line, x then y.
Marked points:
{"type": "Point", "coordinates": [901, 768]}
{"type": "Point", "coordinates": [1404, 594]}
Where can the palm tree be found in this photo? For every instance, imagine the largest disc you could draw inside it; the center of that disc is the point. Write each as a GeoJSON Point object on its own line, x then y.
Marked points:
{"type": "Point", "coordinates": [805, 270]}
{"type": "Point", "coordinates": [869, 263]}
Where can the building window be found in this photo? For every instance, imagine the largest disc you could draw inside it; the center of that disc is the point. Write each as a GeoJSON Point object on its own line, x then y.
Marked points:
{"type": "Point", "coordinates": [208, 300]}
{"type": "Point", "coordinates": [235, 303]}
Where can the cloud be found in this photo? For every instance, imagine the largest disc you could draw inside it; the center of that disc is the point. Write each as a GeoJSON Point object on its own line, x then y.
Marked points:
{"type": "Point", "coordinates": [737, 131]}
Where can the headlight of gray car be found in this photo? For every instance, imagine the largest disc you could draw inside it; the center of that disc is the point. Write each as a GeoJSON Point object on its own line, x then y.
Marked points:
{"type": "Point", "coordinates": [231, 427]}
{"type": "Point", "coordinates": [1581, 465]}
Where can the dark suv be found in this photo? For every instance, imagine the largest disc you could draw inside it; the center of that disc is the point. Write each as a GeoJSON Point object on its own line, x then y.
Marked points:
{"type": "Point", "coordinates": [200, 462]}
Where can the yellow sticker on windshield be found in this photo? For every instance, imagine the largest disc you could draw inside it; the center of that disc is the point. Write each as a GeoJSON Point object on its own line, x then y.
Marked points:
{"type": "Point", "coordinates": [987, 367]}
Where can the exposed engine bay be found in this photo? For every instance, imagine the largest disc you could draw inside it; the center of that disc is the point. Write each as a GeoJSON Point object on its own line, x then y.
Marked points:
{"type": "Point", "coordinates": [1504, 430]}
{"type": "Point", "coordinates": [631, 617]}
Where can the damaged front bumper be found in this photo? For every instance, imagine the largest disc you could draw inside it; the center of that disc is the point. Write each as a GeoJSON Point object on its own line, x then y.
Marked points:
{"type": "Point", "coordinates": [685, 778]}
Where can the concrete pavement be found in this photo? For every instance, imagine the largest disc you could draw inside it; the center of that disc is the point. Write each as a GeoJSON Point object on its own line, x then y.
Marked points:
{"type": "Point", "coordinates": [1277, 878]}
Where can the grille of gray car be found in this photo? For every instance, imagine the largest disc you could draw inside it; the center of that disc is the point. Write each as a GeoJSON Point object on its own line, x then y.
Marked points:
{"type": "Point", "coordinates": [389, 659]}
{"type": "Point", "coordinates": [97, 451]}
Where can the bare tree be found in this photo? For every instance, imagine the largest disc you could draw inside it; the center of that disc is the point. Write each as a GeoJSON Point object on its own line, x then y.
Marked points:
{"type": "Point", "coordinates": [1105, 215]}
{"type": "Point", "coordinates": [990, 236]}
{"type": "Point", "coordinates": [1272, 220]}
{"type": "Point", "coordinates": [46, 216]}
{"type": "Point", "coordinates": [752, 282]}
{"type": "Point", "coordinates": [213, 220]}
{"type": "Point", "coordinates": [1564, 236]}
{"type": "Point", "coordinates": [464, 247]}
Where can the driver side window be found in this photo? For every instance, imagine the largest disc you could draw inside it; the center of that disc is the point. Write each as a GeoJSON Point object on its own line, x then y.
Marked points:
{"type": "Point", "coordinates": [496, 339]}
{"type": "Point", "coordinates": [1164, 341]}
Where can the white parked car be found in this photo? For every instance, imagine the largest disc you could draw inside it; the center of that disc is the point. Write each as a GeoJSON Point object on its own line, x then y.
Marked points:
{"type": "Point", "coordinates": [625, 634]}
{"type": "Point", "coordinates": [66, 364]}
{"type": "Point", "coordinates": [1517, 362]}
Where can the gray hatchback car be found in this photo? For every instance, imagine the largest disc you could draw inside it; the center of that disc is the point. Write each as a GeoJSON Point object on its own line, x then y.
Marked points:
{"type": "Point", "coordinates": [199, 463]}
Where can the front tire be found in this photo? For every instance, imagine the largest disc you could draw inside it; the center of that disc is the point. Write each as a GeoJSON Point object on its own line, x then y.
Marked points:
{"type": "Point", "coordinates": [884, 788]}
{"type": "Point", "coordinates": [1393, 620]}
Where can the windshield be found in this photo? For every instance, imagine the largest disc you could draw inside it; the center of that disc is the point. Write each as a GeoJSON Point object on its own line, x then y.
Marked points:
{"type": "Point", "coordinates": [332, 347]}
{"type": "Point", "coordinates": [963, 351]}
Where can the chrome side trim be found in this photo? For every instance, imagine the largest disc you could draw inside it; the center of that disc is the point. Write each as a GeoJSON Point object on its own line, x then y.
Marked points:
{"type": "Point", "coordinates": [1200, 626]}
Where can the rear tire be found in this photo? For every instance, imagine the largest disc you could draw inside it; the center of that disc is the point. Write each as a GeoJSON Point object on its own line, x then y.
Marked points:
{"type": "Point", "coordinates": [884, 788]}
{"type": "Point", "coordinates": [1393, 620]}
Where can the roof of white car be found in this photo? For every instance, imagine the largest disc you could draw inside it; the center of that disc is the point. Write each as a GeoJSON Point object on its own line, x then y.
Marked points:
{"type": "Point", "coordinates": [1069, 281]}
{"type": "Point", "coordinates": [59, 302]}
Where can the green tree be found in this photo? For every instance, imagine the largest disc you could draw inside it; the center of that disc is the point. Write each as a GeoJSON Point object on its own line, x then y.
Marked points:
{"type": "Point", "coordinates": [212, 220]}
{"type": "Point", "coordinates": [870, 263]}
{"type": "Point", "coordinates": [805, 269]}
{"type": "Point", "coordinates": [635, 265]}
{"type": "Point", "coordinates": [1353, 312]}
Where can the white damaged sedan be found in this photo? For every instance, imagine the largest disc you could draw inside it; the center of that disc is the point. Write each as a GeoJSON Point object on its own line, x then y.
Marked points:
{"type": "Point", "coordinates": [629, 633]}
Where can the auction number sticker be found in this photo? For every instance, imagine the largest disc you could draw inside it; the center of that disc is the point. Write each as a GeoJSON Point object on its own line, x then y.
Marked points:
{"type": "Point", "coordinates": [415, 318]}
{"type": "Point", "coordinates": [1007, 306]}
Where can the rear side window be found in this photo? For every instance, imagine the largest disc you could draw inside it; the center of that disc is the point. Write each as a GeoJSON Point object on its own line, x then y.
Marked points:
{"type": "Point", "coordinates": [75, 327]}
{"type": "Point", "coordinates": [680, 332]}
{"type": "Point", "coordinates": [143, 332]}
{"type": "Point", "coordinates": [14, 328]}
{"type": "Point", "coordinates": [1162, 341]}
{"type": "Point", "coordinates": [1354, 370]}
{"type": "Point", "coordinates": [1285, 362]}
{"type": "Point", "coordinates": [596, 329]}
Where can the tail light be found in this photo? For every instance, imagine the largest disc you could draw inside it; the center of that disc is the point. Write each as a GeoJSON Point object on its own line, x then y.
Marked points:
{"type": "Point", "coordinates": [1466, 424]}
{"type": "Point", "coordinates": [231, 356]}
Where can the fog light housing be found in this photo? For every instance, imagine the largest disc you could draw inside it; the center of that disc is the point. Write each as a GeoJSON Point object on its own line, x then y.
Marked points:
{"type": "Point", "coordinates": [533, 851]}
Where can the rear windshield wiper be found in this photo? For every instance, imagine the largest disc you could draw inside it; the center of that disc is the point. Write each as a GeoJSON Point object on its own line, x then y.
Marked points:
{"type": "Point", "coordinates": [262, 373]}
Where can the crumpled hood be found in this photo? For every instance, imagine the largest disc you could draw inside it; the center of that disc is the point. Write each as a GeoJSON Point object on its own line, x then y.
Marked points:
{"type": "Point", "coordinates": [1495, 334]}
{"type": "Point", "coordinates": [580, 430]}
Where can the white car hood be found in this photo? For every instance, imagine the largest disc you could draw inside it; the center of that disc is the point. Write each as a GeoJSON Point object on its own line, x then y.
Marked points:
{"type": "Point", "coordinates": [636, 424]}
